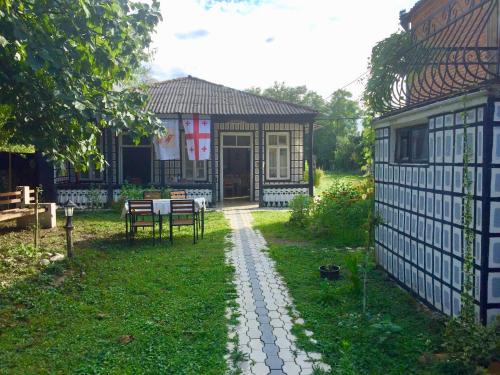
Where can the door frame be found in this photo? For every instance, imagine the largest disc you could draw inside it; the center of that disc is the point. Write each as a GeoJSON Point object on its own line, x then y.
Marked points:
{"type": "Point", "coordinates": [221, 158]}
{"type": "Point", "coordinates": [120, 159]}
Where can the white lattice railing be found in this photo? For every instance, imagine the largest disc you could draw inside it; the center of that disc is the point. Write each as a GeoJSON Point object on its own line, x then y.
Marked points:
{"type": "Point", "coordinates": [281, 197]}
{"type": "Point", "coordinates": [88, 198]}
{"type": "Point", "coordinates": [85, 198]}
{"type": "Point", "coordinates": [200, 193]}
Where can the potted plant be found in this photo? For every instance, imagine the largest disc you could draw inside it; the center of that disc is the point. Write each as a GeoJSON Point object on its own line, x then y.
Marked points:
{"type": "Point", "coordinates": [329, 272]}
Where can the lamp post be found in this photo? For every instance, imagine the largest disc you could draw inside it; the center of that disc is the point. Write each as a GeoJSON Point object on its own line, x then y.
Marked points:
{"type": "Point", "coordinates": [68, 212]}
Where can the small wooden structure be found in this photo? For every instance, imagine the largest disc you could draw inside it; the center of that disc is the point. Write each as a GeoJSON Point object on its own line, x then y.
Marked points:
{"type": "Point", "coordinates": [20, 205]}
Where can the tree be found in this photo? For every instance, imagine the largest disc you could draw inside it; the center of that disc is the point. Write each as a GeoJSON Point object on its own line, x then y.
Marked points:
{"type": "Point", "coordinates": [339, 127]}
{"type": "Point", "coordinates": [298, 95]}
{"type": "Point", "coordinates": [338, 119]}
{"type": "Point", "coordinates": [61, 62]}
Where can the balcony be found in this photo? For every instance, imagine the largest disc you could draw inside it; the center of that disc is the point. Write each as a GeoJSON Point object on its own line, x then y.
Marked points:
{"type": "Point", "coordinates": [452, 50]}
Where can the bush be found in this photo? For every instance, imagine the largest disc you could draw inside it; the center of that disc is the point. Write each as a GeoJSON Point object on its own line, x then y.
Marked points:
{"type": "Point", "coordinates": [301, 206]}
{"type": "Point", "coordinates": [318, 175]}
{"type": "Point", "coordinates": [341, 212]}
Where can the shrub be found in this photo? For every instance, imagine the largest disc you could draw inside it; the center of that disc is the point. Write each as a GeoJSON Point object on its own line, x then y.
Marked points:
{"type": "Point", "coordinates": [341, 211]}
{"type": "Point", "coordinates": [318, 174]}
{"type": "Point", "coordinates": [301, 206]}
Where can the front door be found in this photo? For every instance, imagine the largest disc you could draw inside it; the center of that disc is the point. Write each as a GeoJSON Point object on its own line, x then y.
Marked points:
{"type": "Point", "coordinates": [236, 171]}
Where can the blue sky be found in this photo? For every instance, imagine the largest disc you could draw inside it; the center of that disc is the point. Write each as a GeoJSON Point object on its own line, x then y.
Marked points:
{"type": "Point", "coordinates": [323, 44]}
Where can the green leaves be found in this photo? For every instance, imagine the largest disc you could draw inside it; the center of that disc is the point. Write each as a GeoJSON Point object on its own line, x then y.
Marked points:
{"type": "Point", "coordinates": [389, 63]}
{"type": "Point", "coordinates": [60, 62]}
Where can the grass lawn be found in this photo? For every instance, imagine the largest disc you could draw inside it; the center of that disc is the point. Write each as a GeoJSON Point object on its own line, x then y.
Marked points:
{"type": "Point", "coordinates": [330, 177]}
{"type": "Point", "coordinates": [389, 340]}
{"type": "Point", "coordinates": [116, 308]}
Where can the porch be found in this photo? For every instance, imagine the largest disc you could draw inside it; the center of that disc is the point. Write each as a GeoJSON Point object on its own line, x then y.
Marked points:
{"type": "Point", "coordinates": [237, 169]}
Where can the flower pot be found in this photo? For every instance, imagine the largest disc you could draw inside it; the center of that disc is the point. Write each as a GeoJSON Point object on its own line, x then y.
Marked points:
{"type": "Point", "coordinates": [329, 272]}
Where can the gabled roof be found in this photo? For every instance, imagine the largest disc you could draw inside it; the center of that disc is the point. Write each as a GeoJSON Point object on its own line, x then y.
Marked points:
{"type": "Point", "coordinates": [194, 95]}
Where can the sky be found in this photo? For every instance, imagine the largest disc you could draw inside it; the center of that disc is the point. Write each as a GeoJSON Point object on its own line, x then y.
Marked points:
{"type": "Point", "coordinates": [323, 44]}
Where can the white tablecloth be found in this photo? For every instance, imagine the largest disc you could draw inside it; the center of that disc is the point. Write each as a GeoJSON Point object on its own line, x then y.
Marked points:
{"type": "Point", "coordinates": [163, 206]}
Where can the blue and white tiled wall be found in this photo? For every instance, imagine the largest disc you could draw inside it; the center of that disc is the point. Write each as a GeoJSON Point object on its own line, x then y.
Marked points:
{"type": "Point", "coordinates": [421, 239]}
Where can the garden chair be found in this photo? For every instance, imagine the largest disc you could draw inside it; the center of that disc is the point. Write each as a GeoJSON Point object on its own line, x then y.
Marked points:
{"type": "Point", "coordinates": [141, 215]}
{"type": "Point", "coordinates": [178, 194]}
{"type": "Point", "coordinates": [182, 213]}
{"type": "Point", "coordinates": [154, 194]}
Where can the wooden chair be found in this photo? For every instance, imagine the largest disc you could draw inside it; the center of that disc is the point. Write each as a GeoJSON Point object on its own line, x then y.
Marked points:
{"type": "Point", "coordinates": [182, 213]}
{"type": "Point", "coordinates": [139, 211]}
{"type": "Point", "coordinates": [154, 194]}
{"type": "Point", "coordinates": [178, 194]}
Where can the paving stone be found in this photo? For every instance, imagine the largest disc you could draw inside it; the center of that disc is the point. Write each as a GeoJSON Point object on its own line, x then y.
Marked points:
{"type": "Point", "coordinates": [271, 349]}
{"type": "Point", "coordinates": [303, 361]}
{"type": "Point", "coordinates": [260, 368]}
{"type": "Point", "coordinates": [290, 368]}
{"type": "Point", "coordinates": [260, 304]}
{"type": "Point", "coordinates": [262, 311]}
{"type": "Point", "coordinates": [286, 355]}
{"type": "Point", "coordinates": [268, 338]}
{"type": "Point", "coordinates": [263, 319]}
{"type": "Point", "coordinates": [274, 362]}
{"type": "Point", "coordinates": [258, 356]}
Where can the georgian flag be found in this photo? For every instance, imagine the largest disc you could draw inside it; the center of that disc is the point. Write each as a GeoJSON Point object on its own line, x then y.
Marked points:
{"type": "Point", "coordinates": [197, 133]}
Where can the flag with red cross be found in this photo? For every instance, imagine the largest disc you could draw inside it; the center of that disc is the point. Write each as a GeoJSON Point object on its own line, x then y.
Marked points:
{"type": "Point", "coordinates": [197, 131]}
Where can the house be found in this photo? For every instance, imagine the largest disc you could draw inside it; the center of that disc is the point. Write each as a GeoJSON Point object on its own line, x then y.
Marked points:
{"type": "Point", "coordinates": [259, 148]}
{"type": "Point", "coordinates": [453, 81]}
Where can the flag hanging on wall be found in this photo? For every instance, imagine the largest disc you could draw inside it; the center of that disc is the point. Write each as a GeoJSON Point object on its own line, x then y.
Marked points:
{"type": "Point", "coordinates": [167, 146]}
{"type": "Point", "coordinates": [197, 137]}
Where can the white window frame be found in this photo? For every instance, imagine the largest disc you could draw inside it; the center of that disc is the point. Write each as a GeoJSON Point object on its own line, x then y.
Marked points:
{"type": "Point", "coordinates": [268, 148]}
{"type": "Point", "coordinates": [185, 160]}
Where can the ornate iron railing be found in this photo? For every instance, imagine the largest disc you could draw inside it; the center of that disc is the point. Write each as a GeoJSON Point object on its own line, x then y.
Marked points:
{"type": "Point", "coordinates": [453, 50]}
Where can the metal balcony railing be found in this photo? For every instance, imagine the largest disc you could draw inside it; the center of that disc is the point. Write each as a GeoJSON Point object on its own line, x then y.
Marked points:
{"type": "Point", "coordinates": [453, 50]}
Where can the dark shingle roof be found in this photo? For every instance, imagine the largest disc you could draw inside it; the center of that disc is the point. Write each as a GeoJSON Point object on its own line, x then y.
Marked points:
{"type": "Point", "coordinates": [194, 95]}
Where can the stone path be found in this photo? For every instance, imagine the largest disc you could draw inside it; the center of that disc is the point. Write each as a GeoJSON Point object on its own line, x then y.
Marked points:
{"type": "Point", "coordinates": [264, 322]}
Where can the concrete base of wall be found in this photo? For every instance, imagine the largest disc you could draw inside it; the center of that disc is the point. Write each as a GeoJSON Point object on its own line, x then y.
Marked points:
{"type": "Point", "coordinates": [47, 219]}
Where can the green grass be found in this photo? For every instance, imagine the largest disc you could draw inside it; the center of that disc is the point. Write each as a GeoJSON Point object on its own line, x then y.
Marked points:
{"type": "Point", "coordinates": [390, 339]}
{"type": "Point", "coordinates": [329, 177]}
{"type": "Point", "coordinates": [116, 308]}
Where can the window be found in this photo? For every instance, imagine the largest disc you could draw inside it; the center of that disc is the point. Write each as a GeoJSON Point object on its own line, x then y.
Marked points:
{"type": "Point", "coordinates": [136, 161]}
{"type": "Point", "coordinates": [412, 144]}
{"type": "Point", "coordinates": [278, 156]}
{"type": "Point", "coordinates": [190, 168]}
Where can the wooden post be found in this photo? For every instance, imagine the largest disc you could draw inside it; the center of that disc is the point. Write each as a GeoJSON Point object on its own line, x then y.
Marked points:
{"type": "Point", "coordinates": [37, 218]}
{"type": "Point", "coordinates": [110, 166]}
{"type": "Point", "coordinates": [10, 172]}
{"type": "Point", "coordinates": [311, 167]}
{"type": "Point", "coordinates": [261, 165]}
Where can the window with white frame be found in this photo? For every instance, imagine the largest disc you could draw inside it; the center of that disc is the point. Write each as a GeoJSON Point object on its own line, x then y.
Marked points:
{"type": "Point", "coordinates": [278, 156]}
{"type": "Point", "coordinates": [190, 168]}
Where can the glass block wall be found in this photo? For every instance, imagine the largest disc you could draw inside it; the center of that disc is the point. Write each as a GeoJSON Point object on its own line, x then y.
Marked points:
{"type": "Point", "coordinates": [421, 240]}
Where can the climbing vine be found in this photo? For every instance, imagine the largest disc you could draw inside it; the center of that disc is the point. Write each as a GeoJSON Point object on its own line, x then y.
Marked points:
{"type": "Point", "coordinates": [467, 340]}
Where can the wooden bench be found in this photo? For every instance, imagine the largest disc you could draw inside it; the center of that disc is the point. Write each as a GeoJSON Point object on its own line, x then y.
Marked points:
{"type": "Point", "coordinates": [20, 205]}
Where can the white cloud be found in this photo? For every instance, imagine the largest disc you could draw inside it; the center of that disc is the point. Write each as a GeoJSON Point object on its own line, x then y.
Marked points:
{"type": "Point", "coordinates": [323, 44]}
